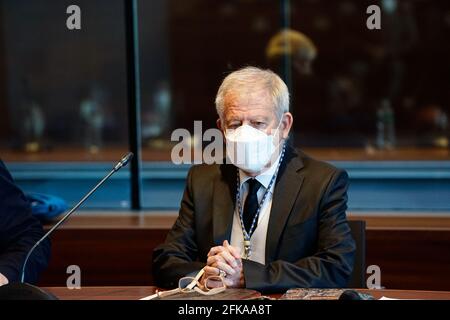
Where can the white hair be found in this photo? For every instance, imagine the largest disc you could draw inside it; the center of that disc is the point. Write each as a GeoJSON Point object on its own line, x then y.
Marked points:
{"type": "Point", "coordinates": [251, 78]}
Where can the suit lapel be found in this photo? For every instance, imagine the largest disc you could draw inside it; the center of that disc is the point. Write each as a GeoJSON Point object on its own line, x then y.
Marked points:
{"type": "Point", "coordinates": [223, 203]}
{"type": "Point", "coordinates": [289, 182]}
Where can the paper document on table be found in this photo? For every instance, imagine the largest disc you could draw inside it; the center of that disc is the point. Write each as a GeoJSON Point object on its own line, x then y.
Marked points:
{"type": "Point", "coordinates": [387, 298]}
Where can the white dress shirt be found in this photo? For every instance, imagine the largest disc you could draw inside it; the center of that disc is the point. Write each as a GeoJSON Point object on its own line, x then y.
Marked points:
{"type": "Point", "coordinates": [258, 239]}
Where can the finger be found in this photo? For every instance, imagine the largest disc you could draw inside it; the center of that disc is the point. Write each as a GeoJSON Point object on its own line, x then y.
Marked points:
{"type": "Point", "coordinates": [235, 251]}
{"type": "Point", "coordinates": [215, 250]}
{"type": "Point", "coordinates": [228, 258]}
{"type": "Point", "coordinates": [229, 283]}
{"type": "Point", "coordinates": [225, 267]}
{"type": "Point", "coordinates": [214, 259]}
{"type": "Point", "coordinates": [211, 271]}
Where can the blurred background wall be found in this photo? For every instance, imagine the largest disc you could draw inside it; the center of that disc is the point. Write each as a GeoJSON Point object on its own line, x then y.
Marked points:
{"type": "Point", "coordinates": [375, 102]}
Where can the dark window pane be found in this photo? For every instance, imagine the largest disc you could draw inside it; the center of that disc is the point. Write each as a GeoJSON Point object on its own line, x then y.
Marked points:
{"type": "Point", "coordinates": [64, 96]}
{"type": "Point", "coordinates": [373, 89]}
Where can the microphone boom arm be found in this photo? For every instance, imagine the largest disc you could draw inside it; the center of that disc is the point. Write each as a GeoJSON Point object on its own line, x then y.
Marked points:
{"type": "Point", "coordinates": [116, 168]}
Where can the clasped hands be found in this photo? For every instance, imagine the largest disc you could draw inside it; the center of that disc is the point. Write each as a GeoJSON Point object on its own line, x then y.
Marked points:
{"type": "Point", "coordinates": [227, 259]}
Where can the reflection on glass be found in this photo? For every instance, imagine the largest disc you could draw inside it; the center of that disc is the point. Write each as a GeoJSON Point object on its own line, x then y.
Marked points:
{"type": "Point", "coordinates": [31, 129]}
{"type": "Point", "coordinates": [93, 118]}
{"type": "Point", "coordinates": [298, 46]}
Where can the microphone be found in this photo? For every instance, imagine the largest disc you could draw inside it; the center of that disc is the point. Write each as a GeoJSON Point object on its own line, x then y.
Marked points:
{"type": "Point", "coordinates": [26, 291]}
{"type": "Point", "coordinates": [123, 162]}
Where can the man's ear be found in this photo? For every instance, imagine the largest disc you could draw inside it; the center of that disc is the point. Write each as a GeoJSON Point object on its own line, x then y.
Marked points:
{"type": "Point", "coordinates": [287, 124]}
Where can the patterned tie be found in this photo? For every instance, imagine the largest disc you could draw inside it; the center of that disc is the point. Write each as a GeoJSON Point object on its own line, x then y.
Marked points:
{"type": "Point", "coordinates": [251, 203]}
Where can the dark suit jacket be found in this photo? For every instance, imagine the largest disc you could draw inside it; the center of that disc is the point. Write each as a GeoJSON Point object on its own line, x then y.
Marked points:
{"type": "Point", "coordinates": [308, 239]}
{"type": "Point", "coordinates": [19, 231]}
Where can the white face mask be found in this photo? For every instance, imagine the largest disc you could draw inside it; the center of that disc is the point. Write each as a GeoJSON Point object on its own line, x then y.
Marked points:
{"type": "Point", "coordinates": [250, 149]}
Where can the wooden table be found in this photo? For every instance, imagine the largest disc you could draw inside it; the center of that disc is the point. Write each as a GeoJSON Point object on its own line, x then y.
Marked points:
{"type": "Point", "coordinates": [135, 293]}
{"type": "Point", "coordinates": [408, 294]}
{"type": "Point", "coordinates": [410, 250]}
{"type": "Point", "coordinates": [101, 293]}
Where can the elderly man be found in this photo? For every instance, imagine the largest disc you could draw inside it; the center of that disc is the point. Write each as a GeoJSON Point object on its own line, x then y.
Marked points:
{"type": "Point", "coordinates": [270, 220]}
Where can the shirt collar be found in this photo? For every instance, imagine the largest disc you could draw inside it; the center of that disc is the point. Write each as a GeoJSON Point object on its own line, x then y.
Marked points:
{"type": "Point", "coordinates": [264, 178]}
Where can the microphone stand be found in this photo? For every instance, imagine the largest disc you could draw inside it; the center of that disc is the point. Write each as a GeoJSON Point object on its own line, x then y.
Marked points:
{"type": "Point", "coordinates": [25, 291]}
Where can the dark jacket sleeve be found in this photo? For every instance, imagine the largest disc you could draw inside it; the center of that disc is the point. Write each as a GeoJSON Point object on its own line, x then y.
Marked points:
{"type": "Point", "coordinates": [330, 266]}
{"type": "Point", "coordinates": [19, 231]}
{"type": "Point", "coordinates": [176, 257]}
